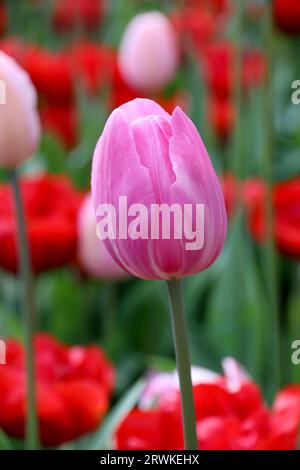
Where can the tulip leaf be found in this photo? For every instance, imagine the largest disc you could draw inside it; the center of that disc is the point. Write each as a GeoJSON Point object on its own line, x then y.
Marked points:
{"type": "Point", "coordinates": [52, 154]}
{"type": "Point", "coordinates": [5, 442]}
{"type": "Point", "coordinates": [293, 312]}
{"type": "Point", "coordinates": [236, 322]}
{"type": "Point", "coordinates": [288, 166]}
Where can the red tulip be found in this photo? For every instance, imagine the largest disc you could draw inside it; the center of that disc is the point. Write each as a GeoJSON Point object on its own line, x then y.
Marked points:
{"type": "Point", "coordinates": [3, 19]}
{"type": "Point", "coordinates": [217, 7]}
{"type": "Point", "coordinates": [254, 68]}
{"type": "Point", "coordinates": [51, 205]}
{"type": "Point", "coordinates": [287, 15]}
{"type": "Point", "coordinates": [51, 73]}
{"type": "Point", "coordinates": [218, 67]}
{"type": "Point", "coordinates": [197, 24]}
{"type": "Point", "coordinates": [222, 117]}
{"type": "Point", "coordinates": [286, 203]}
{"type": "Point", "coordinates": [230, 413]}
{"type": "Point", "coordinates": [229, 187]}
{"type": "Point", "coordinates": [68, 13]}
{"type": "Point", "coordinates": [289, 395]}
{"type": "Point", "coordinates": [219, 64]}
{"type": "Point", "coordinates": [92, 65]}
{"type": "Point", "coordinates": [200, 21]}
{"type": "Point", "coordinates": [74, 385]}
{"type": "Point", "coordinates": [61, 120]}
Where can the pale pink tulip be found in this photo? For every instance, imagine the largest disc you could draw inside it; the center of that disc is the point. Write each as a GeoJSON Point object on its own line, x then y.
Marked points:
{"type": "Point", "coordinates": [19, 121]}
{"type": "Point", "coordinates": [149, 52]}
{"type": "Point", "coordinates": [164, 386]}
{"type": "Point", "coordinates": [93, 256]}
{"type": "Point", "coordinates": [151, 158]}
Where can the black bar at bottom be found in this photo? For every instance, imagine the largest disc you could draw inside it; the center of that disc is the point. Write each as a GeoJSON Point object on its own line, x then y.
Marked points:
{"type": "Point", "coordinates": [133, 459]}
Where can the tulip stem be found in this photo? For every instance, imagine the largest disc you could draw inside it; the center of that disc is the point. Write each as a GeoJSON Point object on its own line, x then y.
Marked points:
{"type": "Point", "coordinates": [183, 363]}
{"type": "Point", "coordinates": [270, 261]}
{"type": "Point", "coordinates": [26, 276]}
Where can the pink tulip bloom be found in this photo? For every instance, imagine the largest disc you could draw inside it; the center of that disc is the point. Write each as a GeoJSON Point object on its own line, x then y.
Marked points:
{"type": "Point", "coordinates": [19, 121]}
{"type": "Point", "coordinates": [149, 52]}
{"type": "Point", "coordinates": [157, 161]}
{"type": "Point", "coordinates": [93, 256]}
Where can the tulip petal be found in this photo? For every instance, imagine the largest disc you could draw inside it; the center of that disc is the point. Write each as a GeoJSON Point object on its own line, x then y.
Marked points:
{"type": "Point", "coordinates": [116, 157]}
{"type": "Point", "coordinates": [197, 183]}
{"type": "Point", "coordinates": [139, 108]}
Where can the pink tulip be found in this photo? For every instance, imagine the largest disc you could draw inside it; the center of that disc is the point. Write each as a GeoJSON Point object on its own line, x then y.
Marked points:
{"type": "Point", "coordinates": [151, 158]}
{"type": "Point", "coordinates": [19, 121]}
{"type": "Point", "coordinates": [149, 52]}
{"type": "Point", "coordinates": [93, 256]}
{"type": "Point", "coordinates": [164, 386]}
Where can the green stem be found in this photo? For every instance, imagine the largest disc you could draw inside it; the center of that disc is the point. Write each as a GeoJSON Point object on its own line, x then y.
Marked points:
{"type": "Point", "coordinates": [270, 262]}
{"type": "Point", "coordinates": [237, 161]}
{"type": "Point", "coordinates": [29, 317]}
{"type": "Point", "coordinates": [183, 364]}
{"type": "Point", "coordinates": [111, 337]}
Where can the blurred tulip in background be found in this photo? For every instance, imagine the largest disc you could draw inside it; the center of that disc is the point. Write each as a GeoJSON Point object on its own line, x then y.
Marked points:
{"type": "Point", "coordinates": [74, 386]}
{"type": "Point", "coordinates": [19, 121]}
{"type": "Point", "coordinates": [231, 414]}
{"type": "Point", "coordinates": [93, 256]}
{"type": "Point", "coordinates": [68, 13]}
{"type": "Point", "coordinates": [51, 206]}
{"type": "Point", "coordinates": [149, 52]}
{"type": "Point", "coordinates": [287, 15]}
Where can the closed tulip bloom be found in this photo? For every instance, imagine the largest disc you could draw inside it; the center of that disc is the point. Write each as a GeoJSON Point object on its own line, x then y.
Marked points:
{"type": "Point", "coordinates": [93, 256]}
{"type": "Point", "coordinates": [152, 158]}
{"type": "Point", "coordinates": [19, 121]}
{"type": "Point", "coordinates": [149, 52]}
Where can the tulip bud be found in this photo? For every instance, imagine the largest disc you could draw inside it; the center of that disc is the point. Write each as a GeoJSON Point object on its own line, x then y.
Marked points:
{"type": "Point", "coordinates": [159, 204]}
{"type": "Point", "coordinates": [19, 121]}
{"type": "Point", "coordinates": [93, 256]}
{"type": "Point", "coordinates": [149, 52]}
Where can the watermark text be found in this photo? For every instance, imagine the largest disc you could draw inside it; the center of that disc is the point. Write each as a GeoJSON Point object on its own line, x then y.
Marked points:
{"type": "Point", "coordinates": [296, 94]}
{"type": "Point", "coordinates": [155, 222]}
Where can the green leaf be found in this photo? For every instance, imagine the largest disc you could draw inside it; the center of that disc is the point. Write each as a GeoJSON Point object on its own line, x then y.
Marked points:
{"type": "Point", "coordinates": [293, 316]}
{"type": "Point", "coordinates": [5, 443]}
{"type": "Point", "coordinates": [288, 166]}
{"type": "Point", "coordinates": [52, 154]}
{"type": "Point", "coordinates": [236, 320]}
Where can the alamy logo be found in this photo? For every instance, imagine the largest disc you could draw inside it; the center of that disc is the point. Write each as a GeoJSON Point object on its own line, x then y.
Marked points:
{"type": "Point", "coordinates": [296, 354]}
{"type": "Point", "coordinates": [155, 222]}
{"type": "Point", "coordinates": [2, 92]}
{"type": "Point", "coordinates": [296, 93]}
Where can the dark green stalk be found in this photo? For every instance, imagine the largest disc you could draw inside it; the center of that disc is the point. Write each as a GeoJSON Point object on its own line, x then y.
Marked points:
{"type": "Point", "coordinates": [237, 166]}
{"type": "Point", "coordinates": [270, 262]}
{"type": "Point", "coordinates": [27, 289]}
{"type": "Point", "coordinates": [183, 363]}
